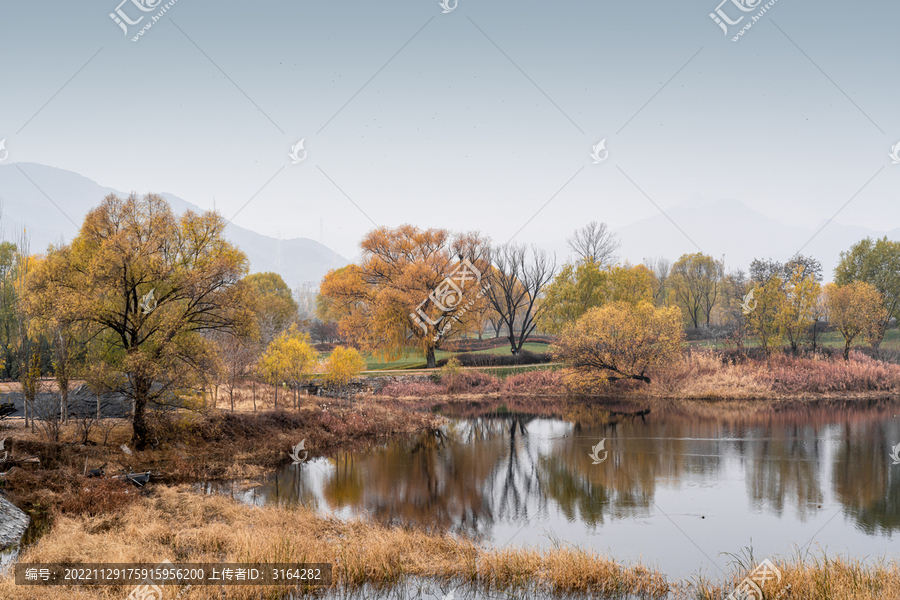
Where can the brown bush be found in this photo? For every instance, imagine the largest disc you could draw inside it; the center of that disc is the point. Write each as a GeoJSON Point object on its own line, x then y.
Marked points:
{"type": "Point", "coordinates": [816, 375]}
{"type": "Point", "coordinates": [542, 381]}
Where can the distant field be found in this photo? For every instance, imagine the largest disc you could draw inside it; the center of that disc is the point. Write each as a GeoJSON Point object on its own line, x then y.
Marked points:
{"type": "Point", "coordinates": [415, 360]}
{"type": "Point", "coordinates": [832, 339]}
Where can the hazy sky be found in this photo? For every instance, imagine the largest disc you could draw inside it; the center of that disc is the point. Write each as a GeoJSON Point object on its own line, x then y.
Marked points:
{"type": "Point", "coordinates": [473, 119]}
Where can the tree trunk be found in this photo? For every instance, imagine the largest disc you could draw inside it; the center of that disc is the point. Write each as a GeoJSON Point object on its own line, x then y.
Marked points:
{"type": "Point", "coordinates": [64, 403]}
{"type": "Point", "coordinates": [254, 395]}
{"type": "Point", "coordinates": [429, 358]}
{"type": "Point", "coordinates": [140, 433]}
{"type": "Point", "coordinates": [847, 350]}
{"type": "Point", "coordinates": [276, 396]}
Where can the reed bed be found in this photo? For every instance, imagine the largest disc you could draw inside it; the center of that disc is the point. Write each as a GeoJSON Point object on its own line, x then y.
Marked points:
{"type": "Point", "coordinates": [180, 525]}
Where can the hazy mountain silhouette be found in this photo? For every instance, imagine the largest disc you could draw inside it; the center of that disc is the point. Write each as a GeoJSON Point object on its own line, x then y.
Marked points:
{"type": "Point", "coordinates": [297, 260]}
{"type": "Point", "coordinates": [731, 229]}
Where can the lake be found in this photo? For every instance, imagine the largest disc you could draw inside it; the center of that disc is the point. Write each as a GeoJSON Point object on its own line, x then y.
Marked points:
{"type": "Point", "coordinates": [677, 488]}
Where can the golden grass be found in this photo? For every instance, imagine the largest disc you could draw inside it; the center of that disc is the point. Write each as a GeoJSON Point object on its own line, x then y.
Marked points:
{"type": "Point", "coordinates": [180, 525]}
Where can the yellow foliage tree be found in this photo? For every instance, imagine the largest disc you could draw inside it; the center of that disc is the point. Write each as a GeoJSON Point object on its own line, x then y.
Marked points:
{"type": "Point", "coordinates": [146, 285]}
{"type": "Point", "coordinates": [400, 296]}
{"type": "Point", "coordinates": [767, 318]}
{"type": "Point", "coordinates": [802, 293]}
{"type": "Point", "coordinates": [697, 281]}
{"type": "Point", "coordinates": [343, 365]}
{"type": "Point", "coordinates": [578, 288]}
{"type": "Point", "coordinates": [288, 358]}
{"type": "Point", "coordinates": [856, 309]}
{"type": "Point", "coordinates": [622, 341]}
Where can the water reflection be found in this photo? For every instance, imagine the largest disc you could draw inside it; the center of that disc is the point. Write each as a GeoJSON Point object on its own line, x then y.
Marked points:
{"type": "Point", "coordinates": [678, 488]}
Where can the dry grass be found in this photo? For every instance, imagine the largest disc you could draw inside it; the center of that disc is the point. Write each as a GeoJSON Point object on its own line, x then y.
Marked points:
{"type": "Point", "coordinates": [539, 382]}
{"type": "Point", "coordinates": [709, 375]}
{"type": "Point", "coordinates": [243, 396]}
{"type": "Point", "coordinates": [699, 375]}
{"type": "Point", "coordinates": [177, 524]}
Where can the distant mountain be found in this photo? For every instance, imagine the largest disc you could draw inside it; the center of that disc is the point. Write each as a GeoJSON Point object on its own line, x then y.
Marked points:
{"type": "Point", "coordinates": [731, 229]}
{"type": "Point", "coordinates": [30, 204]}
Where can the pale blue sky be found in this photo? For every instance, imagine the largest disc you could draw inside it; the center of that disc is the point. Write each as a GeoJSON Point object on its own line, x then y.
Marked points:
{"type": "Point", "coordinates": [483, 115]}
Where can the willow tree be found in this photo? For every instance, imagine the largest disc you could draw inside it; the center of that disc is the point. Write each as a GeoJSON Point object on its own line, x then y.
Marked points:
{"type": "Point", "coordinates": [414, 288]}
{"type": "Point", "coordinates": [147, 286]}
{"type": "Point", "coordinates": [621, 341]}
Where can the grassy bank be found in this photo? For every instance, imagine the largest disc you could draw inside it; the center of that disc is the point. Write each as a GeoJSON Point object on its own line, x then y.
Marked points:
{"type": "Point", "coordinates": [178, 524]}
{"type": "Point", "coordinates": [697, 375]}
{"type": "Point", "coordinates": [191, 447]}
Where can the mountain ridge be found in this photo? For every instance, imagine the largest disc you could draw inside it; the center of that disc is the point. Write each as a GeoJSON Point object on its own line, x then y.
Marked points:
{"type": "Point", "coordinates": [49, 203]}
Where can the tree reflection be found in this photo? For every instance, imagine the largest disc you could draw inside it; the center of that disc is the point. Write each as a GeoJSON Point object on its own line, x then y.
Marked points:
{"type": "Point", "coordinates": [498, 466]}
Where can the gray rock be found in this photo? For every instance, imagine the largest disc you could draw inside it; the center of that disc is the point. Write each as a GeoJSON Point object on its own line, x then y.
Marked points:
{"type": "Point", "coordinates": [13, 523]}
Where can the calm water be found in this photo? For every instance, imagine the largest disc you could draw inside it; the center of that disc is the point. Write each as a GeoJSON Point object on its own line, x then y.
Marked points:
{"type": "Point", "coordinates": [676, 490]}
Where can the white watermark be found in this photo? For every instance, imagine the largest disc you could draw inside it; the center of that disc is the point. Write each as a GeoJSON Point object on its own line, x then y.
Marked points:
{"type": "Point", "coordinates": [295, 452]}
{"type": "Point", "coordinates": [895, 456]}
{"type": "Point", "coordinates": [448, 296]}
{"type": "Point", "coordinates": [295, 153]}
{"type": "Point", "coordinates": [447, 6]}
{"type": "Point", "coordinates": [595, 452]}
{"type": "Point", "coordinates": [748, 303]}
{"type": "Point", "coordinates": [895, 153]}
{"type": "Point", "coordinates": [123, 20]}
{"type": "Point", "coordinates": [147, 589]}
{"type": "Point", "coordinates": [751, 587]}
{"type": "Point", "coordinates": [722, 19]}
{"type": "Point", "coordinates": [148, 303]}
{"type": "Point", "coordinates": [600, 147]}
{"type": "Point", "coordinates": [6, 152]}
{"type": "Point", "coordinates": [5, 452]}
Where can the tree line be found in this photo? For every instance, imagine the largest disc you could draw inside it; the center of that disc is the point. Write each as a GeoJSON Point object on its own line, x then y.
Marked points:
{"type": "Point", "coordinates": [402, 295]}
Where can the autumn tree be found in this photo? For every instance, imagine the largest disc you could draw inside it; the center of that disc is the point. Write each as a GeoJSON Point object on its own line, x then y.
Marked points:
{"type": "Point", "coordinates": [856, 310]}
{"type": "Point", "coordinates": [275, 306]}
{"type": "Point", "coordinates": [342, 365]}
{"type": "Point", "coordinates": [766, 319]}
{"type": "Point", "coordinates": [578, 288]}
{"type": "Point", "coordinates": [622, 341]}
{"type": "Point", "coordinates": [876, 262]}
{"type": "Point", "coordinates": [9, 260]}
{"type": "Point", "coordinates": [288, 358]}
{"type": "Point", "coordinates": [103, 281]}
{"type": "Point", "coordinates": [801, 302]}
{"type": "Point", "coordinates": [412, 284]}
{"type": "Point", "coordinates": [696, 279]}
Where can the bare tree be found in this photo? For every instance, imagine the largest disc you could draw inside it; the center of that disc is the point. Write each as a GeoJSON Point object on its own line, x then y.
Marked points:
{"type": "Point", "coordinates": [517, 280]}
{"type": "Point", "coordinates": [661, 268]}
{"type": "Point", "coordinates": [45, 412]}
{"type": "Point", "coordinates": [595, 242]}
{"type": "Point", "coordinates": [237, 354]}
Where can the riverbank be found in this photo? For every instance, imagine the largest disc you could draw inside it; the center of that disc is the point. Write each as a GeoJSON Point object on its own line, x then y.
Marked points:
{"type": "Point", "coordinates": [178, 524]}
{"type": "Point", "coordinates": [698, 375]}
{"type": "Point", "coordinates": [189, 447]}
